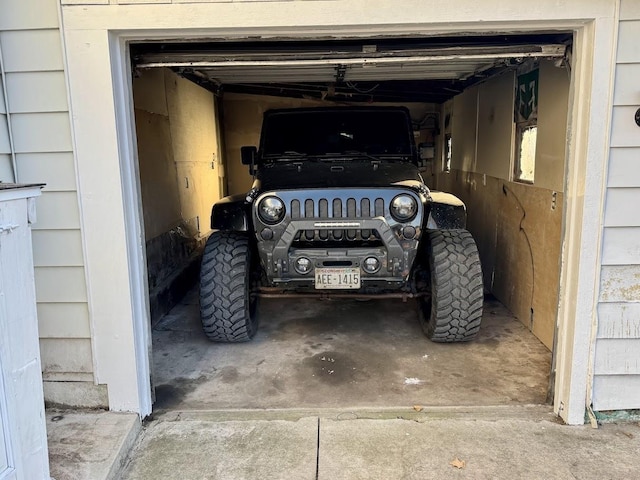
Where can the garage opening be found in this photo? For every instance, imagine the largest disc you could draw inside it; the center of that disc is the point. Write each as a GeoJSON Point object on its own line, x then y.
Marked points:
{"type": "Point", "coordinates": [489, 115]}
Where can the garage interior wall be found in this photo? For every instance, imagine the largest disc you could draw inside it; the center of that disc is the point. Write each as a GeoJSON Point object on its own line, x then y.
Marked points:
{"type": "Point", "coordinates": [617, 350]}
{"type": "Point", "coordinates": [37, 113]}
{"type": "Point", "coordinates": [179, 161]}
{"type": "Point", "coordinates": [243, 122]}
{"type": "Point", "coordinates": [517, 226]}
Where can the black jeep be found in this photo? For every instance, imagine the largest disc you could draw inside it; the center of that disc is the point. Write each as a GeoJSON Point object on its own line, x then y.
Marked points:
{"type": "Point", "coordinates": [339, 208]}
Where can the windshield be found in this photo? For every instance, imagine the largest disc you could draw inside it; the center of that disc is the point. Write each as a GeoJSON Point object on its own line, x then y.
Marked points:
{"type": "Point", "coordinates": [329, 132]}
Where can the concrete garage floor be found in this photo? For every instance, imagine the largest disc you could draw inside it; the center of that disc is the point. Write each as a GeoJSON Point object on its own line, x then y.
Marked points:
{"type": "Point", "coordinates": [344, 353]}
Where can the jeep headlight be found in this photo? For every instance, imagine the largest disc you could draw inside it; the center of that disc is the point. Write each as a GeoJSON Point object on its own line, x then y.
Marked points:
{"type": "Point", "coordinates": [271, 210]}
{"type": "Point", "coordinates": [403, 208]}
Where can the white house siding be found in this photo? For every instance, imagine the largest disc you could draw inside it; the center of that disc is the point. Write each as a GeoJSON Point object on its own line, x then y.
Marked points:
{"type": "Point", "coordinates": [617, 352]}
{"type": "Point", "coordinates": [37, 113]}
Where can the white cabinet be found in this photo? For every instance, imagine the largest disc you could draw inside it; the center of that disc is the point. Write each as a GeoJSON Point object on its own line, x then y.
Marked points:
{"type": "Point", "coordinates": [23, 436]}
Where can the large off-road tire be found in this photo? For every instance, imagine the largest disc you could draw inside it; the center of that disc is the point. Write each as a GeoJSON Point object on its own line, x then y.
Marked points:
{"type": "Point", "coordinates": [227, 309]}
{"type": "Point", "coordinates": [453, 312]}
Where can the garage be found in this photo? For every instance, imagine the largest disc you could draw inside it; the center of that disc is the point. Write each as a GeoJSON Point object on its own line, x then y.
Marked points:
{"type": "Point", "coordinates": [99, 41]}
{"type": "Point", "coordinates": [489, 114]}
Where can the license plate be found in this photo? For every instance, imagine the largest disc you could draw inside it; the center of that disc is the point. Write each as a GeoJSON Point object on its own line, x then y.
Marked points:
{"type": "Point", "coordinates": [337, 278]}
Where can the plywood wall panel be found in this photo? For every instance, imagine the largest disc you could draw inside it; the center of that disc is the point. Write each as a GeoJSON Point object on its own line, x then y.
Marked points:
{"type": "Point", "coordinates": [463, 131]}
{"type": "Point", "coordinates": [196, 151]}
{"type": "Point", "coordinates": [495, 126]}
{"type": "Point", "coordinates": [480, 193]}
{"type": "Point", "coordinates": [149, 91]}
{"type": "Point", "coordinates": [553, 94]}
{"type": "Point", "coordinates": [519, 239]}
{"type": "Point", "coordinates": [159, 182]}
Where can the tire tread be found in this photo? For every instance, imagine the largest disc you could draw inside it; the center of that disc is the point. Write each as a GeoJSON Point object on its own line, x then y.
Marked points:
{"type": "Point", "coordinates": [226, 309]}
{"type": "Point", "coordinates": [454, 311]}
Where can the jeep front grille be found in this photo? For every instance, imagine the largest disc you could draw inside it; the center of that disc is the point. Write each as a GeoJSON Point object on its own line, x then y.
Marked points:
{"type": "Point", "coordinates": [337, 209]}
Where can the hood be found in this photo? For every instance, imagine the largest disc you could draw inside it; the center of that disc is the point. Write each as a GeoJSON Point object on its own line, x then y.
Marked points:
{"type": "Point", "coordinates": [355, 174]}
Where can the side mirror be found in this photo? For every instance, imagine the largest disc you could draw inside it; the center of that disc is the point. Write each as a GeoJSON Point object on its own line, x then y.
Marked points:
{"type": "Point", "coordinates": [248, 157]}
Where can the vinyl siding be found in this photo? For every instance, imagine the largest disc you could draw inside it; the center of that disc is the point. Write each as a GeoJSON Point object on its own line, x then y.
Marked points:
{"type": "Point", "coordinates": [624, 167]}
{"type": "Point", "coordinates": [37, 92]}
{"type": "Point", "coordinates": [66, 359]}
{"type": "Point", "coordinates": [617, 351]}
{"type": "Point", "coordinates": [6, 163]}
{"type": "Point", "coordinates": [63, 320]}
{"type": "Point", "coordinates": [6, 168]}
{"type": "Point", "coordinates": [619, 320]}
{"type": "Point", "coordinates": [5, 145]}
{"type": "Point", "coordinates": [57, 168]}
{"type": "Point", "coordinates": [29, 14]}
{"type": "Point", "coordinates": [57, 248]}
{"type": "Point", "coordinates": [38, 111]}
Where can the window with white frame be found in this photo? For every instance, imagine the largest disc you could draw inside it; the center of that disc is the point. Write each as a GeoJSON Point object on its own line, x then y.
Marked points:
{"type": "Point", "coordinates": [526, 119]}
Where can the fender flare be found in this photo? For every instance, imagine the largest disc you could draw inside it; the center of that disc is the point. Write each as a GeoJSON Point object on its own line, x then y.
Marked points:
{"type": "Point", "coordinates": [446, 212]}
{"type": "Point", "coordinates": [231, 214]}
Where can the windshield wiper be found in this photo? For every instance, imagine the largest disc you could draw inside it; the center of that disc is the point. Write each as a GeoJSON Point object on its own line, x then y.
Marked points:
{"type": "Point", "coordinates": [383, 157]}
{"type": "Point", "coordinates": [291, 153]}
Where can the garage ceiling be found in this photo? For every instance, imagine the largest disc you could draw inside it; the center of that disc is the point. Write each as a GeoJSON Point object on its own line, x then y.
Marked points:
{"type": "Point", "coordinates": [388, 70]}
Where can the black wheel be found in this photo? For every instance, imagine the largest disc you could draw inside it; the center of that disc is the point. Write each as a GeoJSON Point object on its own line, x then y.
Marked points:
{"type": "Point", "coordinates": [227, 309]}
{"type": "Point", "coordinates": [453, 312]}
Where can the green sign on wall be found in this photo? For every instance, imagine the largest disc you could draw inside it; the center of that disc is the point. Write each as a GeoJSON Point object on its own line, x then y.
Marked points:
{"type": "Point", "coordinates": [527, 97]}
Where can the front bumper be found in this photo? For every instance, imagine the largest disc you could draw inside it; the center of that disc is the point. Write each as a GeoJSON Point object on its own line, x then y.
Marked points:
{"type": "Point", "coordinates": [309, 234]}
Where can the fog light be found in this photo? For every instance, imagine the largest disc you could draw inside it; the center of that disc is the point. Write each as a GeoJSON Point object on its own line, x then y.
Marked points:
{"type": "Point", "coordinates": [371, 265]}
{"type": "Point", "coordinates": [408, 232]}
{"type": "Point", "coordinates": [266, 234]}
{"type": "Point", "coordinates": [303, 265]}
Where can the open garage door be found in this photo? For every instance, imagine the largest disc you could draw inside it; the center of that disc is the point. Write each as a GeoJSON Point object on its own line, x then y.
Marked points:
{"type": "Point", "coordinates": [374, 70]}
{"type": "Point", "coordinates": [462, 95]}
